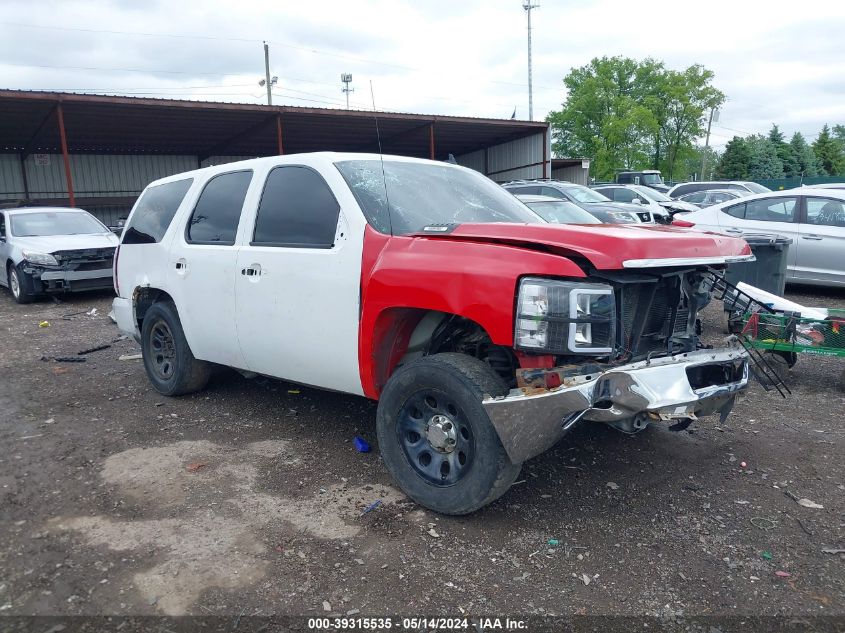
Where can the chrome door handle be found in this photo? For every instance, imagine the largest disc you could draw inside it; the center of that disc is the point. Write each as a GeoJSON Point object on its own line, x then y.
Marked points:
{"type": "Point", "coordinates": [733, 231]}
{"type": "Point", "coordinates": [811, 237]}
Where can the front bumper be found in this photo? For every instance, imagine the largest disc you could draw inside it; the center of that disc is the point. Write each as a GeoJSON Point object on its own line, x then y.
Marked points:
{"type": "Point", "coordinates": [62, 280]}
{"type": "Point", "coordinates": [684, 386]}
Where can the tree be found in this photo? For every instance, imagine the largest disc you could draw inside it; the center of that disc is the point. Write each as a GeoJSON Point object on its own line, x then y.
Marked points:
{"type": "Point", "coordinates": [785, 153]}
{"type": "Point", "coordinates": [687, 96]}
{"type": "Point", "coordinates": [829, 153]}
{"type": "Point", "coordinates": [625, 113]}
{"type": "Point", "coordinates": [764, 162]}
{"type": "Point", "coordinates": [736, 160]}
{"type": "Point", "coordinates": [804, 156]}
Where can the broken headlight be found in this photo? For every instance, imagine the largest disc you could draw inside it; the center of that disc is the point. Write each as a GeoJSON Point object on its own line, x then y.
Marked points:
{"type": "Point", "coordinates": [43, 259]}
{"type": "Point", "coordinates": [565, 317]}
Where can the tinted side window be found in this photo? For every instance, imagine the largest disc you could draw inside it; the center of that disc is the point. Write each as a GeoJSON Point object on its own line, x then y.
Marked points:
{"type": "Point", "coordinates": [736, 210]}
{"type": "Point", "coordinates": [623, 195]}
{"type": "Point", "coordinates": [2, 225]}
{"type": "Point", "coordinates": [297, 209]}
{"type": "Point", "coordinates": [769, 210]}
{"type": "Point", "coordinates": [698, 196]}
{"type": "Point", "coordinates": [716, 198]}
{"type": "Point", "coordinates": [532, 191]}
{"type": "Point", "coordinates": [215, 218]}
{"type": "Point", "coordinates": [155, 211]}
{"type": "Point", "coordinates": [551, 192]}
{"type": "Point", "coordinates": [825, 212]}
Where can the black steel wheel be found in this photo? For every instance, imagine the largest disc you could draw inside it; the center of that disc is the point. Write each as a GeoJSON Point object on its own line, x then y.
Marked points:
{"type": "Point", "coordinates": [168, 360]}
{"type": "Point", "coordinates": [163, 357]}
{"type": "Point", "coordinates": [435, 436]}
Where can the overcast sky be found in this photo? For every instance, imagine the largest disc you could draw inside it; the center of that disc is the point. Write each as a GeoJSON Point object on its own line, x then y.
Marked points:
{"type": "Point", "coordinates": [777, 61]}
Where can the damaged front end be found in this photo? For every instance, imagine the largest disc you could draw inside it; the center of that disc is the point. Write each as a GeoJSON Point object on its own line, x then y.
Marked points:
{"type": "Point", "coordinates": [74, 271]}
{"type": "Point", "coordinates": [624, 351]}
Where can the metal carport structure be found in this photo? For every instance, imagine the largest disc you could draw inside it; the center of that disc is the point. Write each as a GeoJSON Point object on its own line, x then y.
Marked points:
{"type": "Point", "coordinates": [100, 151]}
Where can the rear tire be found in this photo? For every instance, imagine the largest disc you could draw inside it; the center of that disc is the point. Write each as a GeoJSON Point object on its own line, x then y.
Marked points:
{"type": "Point", "coordinates": [436, 438]}
{"type": "Point", "coordinates": [168, 360]}
{"type": "Point", "coordinates": [19, 283]}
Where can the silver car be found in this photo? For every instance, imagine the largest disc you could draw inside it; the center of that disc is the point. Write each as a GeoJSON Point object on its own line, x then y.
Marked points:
{"type": "Point", "coordinates": [813, 218]}
{"type": "Point", "coordinates": [54, 250]}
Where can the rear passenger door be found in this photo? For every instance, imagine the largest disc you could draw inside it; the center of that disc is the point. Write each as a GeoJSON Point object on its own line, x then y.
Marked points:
{"type": "Point", "coordinates": [202, 267]}
{"type": "Point", "coordinates": [298, 281]}
{"type": "Point", "coordinates": [765, 216]}
{"type": "Point", "coordinates": [821, 247]}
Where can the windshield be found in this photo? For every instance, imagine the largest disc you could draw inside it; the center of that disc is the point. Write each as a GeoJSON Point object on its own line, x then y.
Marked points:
{"type": "Point", "coordinates": [755, 188]}
{"type": "Point", "coordinates": [651, 179]}
{"type": "Point", "coordinates": [562, 212]}
{"type": "Point", "coordinates": [423, 194]}
{"type": "Point", "coordinates": [652, 194]}
{"type": "Point", "coordinates": [47, 223]}
{"type": "Point", "coordinates": [585, 194]}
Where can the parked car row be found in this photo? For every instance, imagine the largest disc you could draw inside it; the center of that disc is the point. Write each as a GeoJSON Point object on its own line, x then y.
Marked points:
{"type": "Point", "coordinates": [813, 218]}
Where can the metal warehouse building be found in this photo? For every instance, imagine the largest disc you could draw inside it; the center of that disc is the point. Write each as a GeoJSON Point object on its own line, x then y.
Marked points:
{"type": "Point", "coordinates": [99, 152]}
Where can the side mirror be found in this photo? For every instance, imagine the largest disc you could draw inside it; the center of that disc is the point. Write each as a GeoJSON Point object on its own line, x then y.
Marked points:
{"type": "Point", "coordinates": [637, 201]}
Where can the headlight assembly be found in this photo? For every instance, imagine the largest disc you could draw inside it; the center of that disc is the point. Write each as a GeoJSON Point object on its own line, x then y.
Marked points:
{"type": "Point", "coordinates": [564, 317]}
{"type": "Point", "coordinates": [44, 259]}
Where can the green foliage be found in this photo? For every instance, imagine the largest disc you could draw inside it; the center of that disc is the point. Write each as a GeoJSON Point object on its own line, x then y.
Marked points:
{"type": "Point", "coordinates": [629, 114]}
{"type": "Point", "coordinates": [764, 162]}
{"type": "Point", "coordinates": [829, 153]}
{"type": "Point", "coordinates": [736, 160]}
{"type": "Point", "coordinates": [788, 158]}
{"type": "Point", "coordinates": [804, 155]}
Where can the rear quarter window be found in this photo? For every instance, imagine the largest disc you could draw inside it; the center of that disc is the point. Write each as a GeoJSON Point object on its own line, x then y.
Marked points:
{"type": "Point", "coordinates": [154, 212]}
{"type": "Point", "coordinates": [218, 210]}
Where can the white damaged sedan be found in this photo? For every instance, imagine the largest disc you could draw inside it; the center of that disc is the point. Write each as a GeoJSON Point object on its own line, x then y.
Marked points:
{"type": "Point", "coordinates": [53, 250]}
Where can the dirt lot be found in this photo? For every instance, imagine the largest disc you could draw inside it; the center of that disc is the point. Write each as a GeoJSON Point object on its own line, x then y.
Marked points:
{"type": "Point", "coordinates": [247, 499]}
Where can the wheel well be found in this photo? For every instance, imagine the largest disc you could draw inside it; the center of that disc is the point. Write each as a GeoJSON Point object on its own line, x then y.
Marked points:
{"type": "Point", "coordinates": [144, 298]}
{"type": "Point", "coordinates": [404, 334]}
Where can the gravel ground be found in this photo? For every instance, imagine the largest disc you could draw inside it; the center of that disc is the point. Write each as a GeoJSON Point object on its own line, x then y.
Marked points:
{"type": "Point", "coordinates": [249, 498]}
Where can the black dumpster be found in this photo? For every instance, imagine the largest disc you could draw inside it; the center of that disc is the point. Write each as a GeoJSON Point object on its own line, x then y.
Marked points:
{"type": "Point", "coordinates": [768, 271]}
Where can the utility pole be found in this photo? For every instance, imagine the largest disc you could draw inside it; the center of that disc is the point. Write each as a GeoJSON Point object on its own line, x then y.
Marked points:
{"type": "Point", "coordinates": [528, 6]}
{"type": "Point", "coordinates": [267, 73]}
{"type": "Point", "coordinates": [346, 78]}
{"type": "Point", "coordinates": [707, 140]}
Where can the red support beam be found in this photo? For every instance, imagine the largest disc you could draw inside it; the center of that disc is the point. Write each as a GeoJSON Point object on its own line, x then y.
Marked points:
{"type": "Point", "coordinates": [279, 134]}
{"type": "Point", "coordinates": [65, 155]}
{"type": "Point", "coordinates": [431, 141]}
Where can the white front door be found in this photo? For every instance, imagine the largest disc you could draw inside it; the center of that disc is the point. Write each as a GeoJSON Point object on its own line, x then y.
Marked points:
{"type": "Point", "coordinates": [298, 281]}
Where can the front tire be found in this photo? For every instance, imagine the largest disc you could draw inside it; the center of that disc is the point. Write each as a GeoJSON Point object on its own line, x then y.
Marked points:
{"type": "Point", "coordinates": [168, 360]}
{"type": "Point", "coordinates": [19, 283]}
{"type": "Point", "coordinates": [436, 438]}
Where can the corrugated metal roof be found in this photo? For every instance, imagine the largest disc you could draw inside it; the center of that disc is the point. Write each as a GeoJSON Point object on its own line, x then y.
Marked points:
{"type": "Point", "coordinates": [132, 125]}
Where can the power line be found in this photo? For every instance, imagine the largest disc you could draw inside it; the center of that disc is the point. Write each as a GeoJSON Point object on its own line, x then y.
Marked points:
{"type": "Point", "coordinates": [232, 39]}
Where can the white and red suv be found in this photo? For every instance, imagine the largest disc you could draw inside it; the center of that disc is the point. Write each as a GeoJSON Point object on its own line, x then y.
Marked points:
{"type": "Point", "coordinates": [484, 333]}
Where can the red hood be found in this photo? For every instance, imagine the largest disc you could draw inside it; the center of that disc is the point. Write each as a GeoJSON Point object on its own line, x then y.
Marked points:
{"type": "Point", "coordinates": [612, 246]}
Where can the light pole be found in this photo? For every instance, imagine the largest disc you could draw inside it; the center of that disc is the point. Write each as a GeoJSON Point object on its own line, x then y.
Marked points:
{"type": "Point", "coordinates": [267, 73]}
{"type": "Point", "coordinates": [714, 116]}
{"type": "Point", "coordinates": [346, 78]}
{"type": "Point", "coordinates": [528, 6]}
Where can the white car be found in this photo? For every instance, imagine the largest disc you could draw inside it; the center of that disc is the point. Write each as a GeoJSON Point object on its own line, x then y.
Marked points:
{"type": "Point", "coordinates": [661, 206]}
{"type": "Point", "coordinates": [684, 188]}
{"type": "Point", "coordinates": [54, 250]}
{"type": "Point", "coordinates": [813, 218]}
